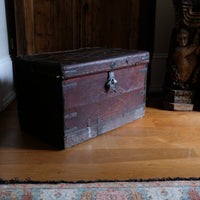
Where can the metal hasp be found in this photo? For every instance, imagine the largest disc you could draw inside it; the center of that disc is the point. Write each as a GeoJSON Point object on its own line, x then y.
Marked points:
{"type": "Point", "coordinates": [111, 83]}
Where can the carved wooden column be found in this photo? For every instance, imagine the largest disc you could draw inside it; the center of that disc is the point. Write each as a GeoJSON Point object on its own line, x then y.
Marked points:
{"type": "Point", "coordinates": [183, 64]}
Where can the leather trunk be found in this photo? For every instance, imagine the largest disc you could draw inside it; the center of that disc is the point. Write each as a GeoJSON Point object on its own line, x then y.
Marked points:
{"type": "Point", "coordinates": [71, 96]}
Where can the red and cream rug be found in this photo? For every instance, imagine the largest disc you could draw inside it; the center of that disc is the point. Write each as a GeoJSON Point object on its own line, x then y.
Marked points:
{"type": "Point", "coordinates": [124, 190]}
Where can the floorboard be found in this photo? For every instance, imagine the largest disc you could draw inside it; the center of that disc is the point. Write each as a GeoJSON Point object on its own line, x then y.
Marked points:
{"type": "Point", "coordinates": [160, 145]}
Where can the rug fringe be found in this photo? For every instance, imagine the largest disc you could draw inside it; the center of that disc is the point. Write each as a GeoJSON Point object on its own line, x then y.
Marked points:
{"type": "Point", "coordinates": [29, 181]}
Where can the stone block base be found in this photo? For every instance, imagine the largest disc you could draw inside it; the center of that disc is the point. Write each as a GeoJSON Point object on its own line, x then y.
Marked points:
{"type": "Point", "coordinates": [178, 100]}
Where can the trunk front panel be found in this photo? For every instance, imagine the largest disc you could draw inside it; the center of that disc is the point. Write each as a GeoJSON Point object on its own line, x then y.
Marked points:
{"type": "Point", "coordinates": [90, 109]}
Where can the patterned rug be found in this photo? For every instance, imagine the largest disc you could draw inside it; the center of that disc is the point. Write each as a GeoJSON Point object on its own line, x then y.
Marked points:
{"type": "Point", "coordinates": [124, 190]}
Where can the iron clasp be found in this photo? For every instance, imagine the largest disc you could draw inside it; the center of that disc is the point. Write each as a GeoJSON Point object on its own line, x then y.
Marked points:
{"type": "Point", "coordinates": [111, 83]}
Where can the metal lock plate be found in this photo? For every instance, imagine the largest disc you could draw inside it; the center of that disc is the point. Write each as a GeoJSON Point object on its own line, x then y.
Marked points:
{"type": "Point", "coordinates": [111, 83]}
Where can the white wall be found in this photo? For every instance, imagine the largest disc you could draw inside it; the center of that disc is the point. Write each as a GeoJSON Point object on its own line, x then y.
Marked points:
{"type": "Point", "coordinates": [7, 93]}
{"type": "Point", "coordinates": [164, 23]}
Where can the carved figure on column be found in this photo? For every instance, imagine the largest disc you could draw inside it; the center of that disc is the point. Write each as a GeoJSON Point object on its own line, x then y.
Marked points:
{"type": "Point", "coordinates": [183, 66]}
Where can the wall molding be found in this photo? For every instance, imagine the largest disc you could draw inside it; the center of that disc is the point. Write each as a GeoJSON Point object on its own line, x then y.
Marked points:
{"type": "Point", "coordinates": [158, 70]}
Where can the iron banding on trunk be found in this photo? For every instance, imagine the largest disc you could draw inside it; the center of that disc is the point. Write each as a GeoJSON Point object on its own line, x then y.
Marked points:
{"type": "Point", "coordinates": [143, 70]}
{"type": "Point", "coordinates": [71, 115]}
{"type": "Point", "coordinates": [69, 85]}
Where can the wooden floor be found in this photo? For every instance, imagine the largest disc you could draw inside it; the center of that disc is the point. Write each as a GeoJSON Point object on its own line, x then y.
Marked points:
{"type": "Point", "coordinates": [162, 144]}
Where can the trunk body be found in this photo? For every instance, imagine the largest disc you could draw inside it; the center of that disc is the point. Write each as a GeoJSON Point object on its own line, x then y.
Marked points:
{"type": "Point", "coordinates": [70, 97]}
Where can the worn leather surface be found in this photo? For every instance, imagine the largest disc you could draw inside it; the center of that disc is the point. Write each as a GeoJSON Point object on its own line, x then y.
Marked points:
{"type": "Point", "coordinates": [85, 61]}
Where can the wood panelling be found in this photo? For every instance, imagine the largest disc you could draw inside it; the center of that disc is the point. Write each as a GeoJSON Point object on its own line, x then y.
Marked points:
{"type": "Point", "coordinates": [20, 26]}
{"type": "Point", "coordinates": [54, 25]}
{"type": "Point", "coordinates": [29, 41]}
{"type": "Point", "coordinates": [109, 23]}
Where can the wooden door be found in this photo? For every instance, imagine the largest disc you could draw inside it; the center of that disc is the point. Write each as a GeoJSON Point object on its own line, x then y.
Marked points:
{"type": "Point", "coordinates": [43, 25]}
{"type": "Point", "coordinates": [56, 25]}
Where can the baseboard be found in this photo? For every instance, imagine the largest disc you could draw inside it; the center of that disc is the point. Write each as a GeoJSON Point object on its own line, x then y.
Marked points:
{"type": "Point", "coordinates": [7, 92]}
{"type": "Point", "coordinates": [158, 70]}
{"type": "Point", "coordinates": [7, 100]}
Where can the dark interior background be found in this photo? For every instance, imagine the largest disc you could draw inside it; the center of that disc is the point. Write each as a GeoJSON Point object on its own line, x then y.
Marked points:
{"type": "Point", "coordinates": [53, 25]}
{"type": "Point", "coordinates": [36, 26]}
